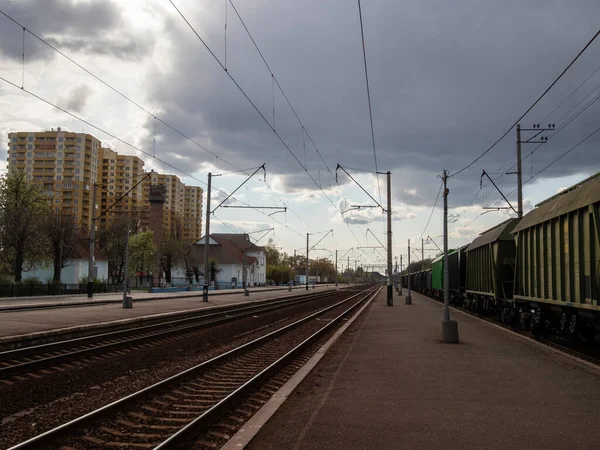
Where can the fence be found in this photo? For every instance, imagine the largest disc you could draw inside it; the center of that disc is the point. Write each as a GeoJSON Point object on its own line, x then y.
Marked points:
{"type": "Point", "coordinates": [30, 290]}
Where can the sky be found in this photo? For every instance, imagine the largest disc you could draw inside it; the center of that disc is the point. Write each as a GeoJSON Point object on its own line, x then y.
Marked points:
{"type": "Point", "coordinates": [446, 80]}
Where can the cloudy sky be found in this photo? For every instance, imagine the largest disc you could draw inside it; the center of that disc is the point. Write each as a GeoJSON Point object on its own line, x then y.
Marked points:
{"type": "Point", "coordinates": [447, 79]}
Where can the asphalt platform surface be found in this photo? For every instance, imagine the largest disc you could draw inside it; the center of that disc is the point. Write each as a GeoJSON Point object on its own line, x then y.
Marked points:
{"type": "Point", "coordinates": [390, 383]}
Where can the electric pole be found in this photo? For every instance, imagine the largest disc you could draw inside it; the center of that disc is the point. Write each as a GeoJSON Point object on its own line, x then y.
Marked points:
{"type": "Point", "coordinates": [408, 298]}
{"type": "Point", "coordinates": [390, 291]}
{"type": "Point", "coordinates": [90, 286]}
{"type": "Point", "coordinates": [400, 280]}
{"type": "Point", "coordinates": [519, 174]}
{"type": "Point", "coordinates": [532, 140]}
{"type": "Point", "coordinates": [336, 271]}
{"type": "Point", "coordinates": [207, 242]}
{"type": "Point", "coordinates": [422, 254]}
{"type": "Point", "coordinates": [449, 327]}
{"type": "Point", "coordinates": [307, 261]}
{"type": "Point", "coordinates": [126, 303]}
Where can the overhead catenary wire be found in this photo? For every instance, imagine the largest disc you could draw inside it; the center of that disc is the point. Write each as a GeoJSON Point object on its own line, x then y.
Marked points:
{"type": "Point", "coordinates": [364, 51]}
{"type": "Point", "coordinates": [263, 117]}
{"type": "Point", "coordinates": [132, 146]}
{"type": "Point", "coordinates": [530, 108]}
{"type": "Point", "coordinates": [142, 108]}
{"type": "Point", "coordinates": [432, 210]}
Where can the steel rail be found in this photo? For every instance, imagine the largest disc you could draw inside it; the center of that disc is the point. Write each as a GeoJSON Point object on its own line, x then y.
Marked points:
{"type": "Point", "coordinates": [203, 421]}
{"type": "Point", "coordinates": [135, 336]}
{"type": "Point", "coordinates": [46, 438]}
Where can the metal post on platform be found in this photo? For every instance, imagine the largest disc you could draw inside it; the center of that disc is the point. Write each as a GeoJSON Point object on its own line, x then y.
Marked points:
{"type": "Point", "coordinates": [408, 298]}
{"type": "Point", "coordinates": [449, 327]}
{"type": "Point", "coordinates": [127, 301]}
{"type": "Point", "coordinates": [207, 242]}
{"type": "Point", "coordinates": [390, 291]}
{"type": "Point", "coordinates": [307, 261]}
{"type": "Point", "coordinates": [336, 272]}
{"type": "Point", "coordinates": [400, 280]}
{"type": "Point", "coordinates": [90, 285]}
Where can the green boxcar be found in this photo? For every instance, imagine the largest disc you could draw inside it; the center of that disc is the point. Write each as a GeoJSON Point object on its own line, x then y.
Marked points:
{"type": "Point", "coordinates": [558, 255]}
{"type": "Point", "coordinates": [490, 268]}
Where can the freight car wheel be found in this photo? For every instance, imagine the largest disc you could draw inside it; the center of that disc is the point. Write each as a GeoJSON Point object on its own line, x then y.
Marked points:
{"type": "Point", "coordinates": [573, 324]}
{"type": "Point", "coordinates": [563, 322]}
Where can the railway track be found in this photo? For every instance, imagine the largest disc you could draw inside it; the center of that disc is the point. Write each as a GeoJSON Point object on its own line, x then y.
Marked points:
{"type": "Point", "coordinates": [172, 412]}
{"type": "Point", "coordinates": [35, 358]}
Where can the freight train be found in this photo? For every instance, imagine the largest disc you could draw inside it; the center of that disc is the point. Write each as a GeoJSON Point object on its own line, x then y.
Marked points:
{"type": "Point", "coordinates": [539, 273]}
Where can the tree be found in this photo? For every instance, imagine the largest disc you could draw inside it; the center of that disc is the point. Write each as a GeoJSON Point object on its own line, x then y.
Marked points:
{"type": "Point", "coordinates": [214, 269]}
{"type": "Point", "coordinates": [172, 251]}
{"type": "Point", "coordinates": [22, 205]}
{"type": "Point", "coordinates": [273, 255]}
{"type": "Point", "coordinates": [142, 253]}
{"type": "Point", "coordinates": [61, 232]}
{"type": "Point", "coordinates": [112, 241]}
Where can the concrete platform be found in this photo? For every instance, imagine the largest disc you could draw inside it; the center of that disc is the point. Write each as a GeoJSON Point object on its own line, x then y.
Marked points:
{"type": "Point", "coordinates": [8, 303]}
{"type": "Point", "coordinates": [36, 321]}
{"type": "Point", "coordinates": [390, 383]}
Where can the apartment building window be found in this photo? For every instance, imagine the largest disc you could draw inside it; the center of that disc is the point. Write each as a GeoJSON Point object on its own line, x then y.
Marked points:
{"type": "Point", "coordinates": [14, 147]}
{"type": "Point", "coordinates": [29, 162]}
{"type": "Point", "coordinates": [58, 178]}
{"type": "Point", "coordinates": [59, 154]}
{"type": "Point", "coordinates": [77, 155]}
{"type": "Point", "coordinates": [76, 202]}
{"type": "Point", "coordinates": [58, 170]}
{"type": "Point", "coordinates": [29, 154]}
{"type": "Point", "coordinates": [112, 161]}
{"type": "Point", "coordinates": [61, 139]}
{"type": "Point", "coordinates": [59, 163]}
{"type": "Point", "coordinates": [29, 169]}
{"type": "Point", "coordinates": [30, 139]}
{"type": "Point", "coordinates": [79, 140]}
{"type": "Point", "coordinates": [77, 170]}
{"type": "Point", "coordinates": [14, 139]}
{"type": "Point", "coordinates": [29, 146]}
{"type": "Point", "coordinates": [68, 186]}
{"type": "Point", "coordinates": [57, 201]}
{"type": "Point", "coordinates": [75, 209]}
{"type": "Point", "coordinates": [60, 146]}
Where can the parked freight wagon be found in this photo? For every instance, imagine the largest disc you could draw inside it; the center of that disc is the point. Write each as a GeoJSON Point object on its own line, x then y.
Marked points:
{"type": "Point", "coordinates": [490, 269]}
{"type": "Point", "coordinates": [457, 266]}
{"type": "Point", "coordinates": [558, 261]}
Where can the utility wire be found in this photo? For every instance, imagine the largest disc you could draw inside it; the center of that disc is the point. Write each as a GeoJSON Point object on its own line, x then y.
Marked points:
{"type": "Point", "coordinates": [121, 94]}
{"type": "Point", "coordinates": [252, 103]}
{"type": "Point", "coordinates": [362, 36]}
{"type": "Point", "coordinates": [530, 108]}
{"type": "Point", "coordinates": [432, 210]}
{"type": "Point", "coordinates": [133, 146]}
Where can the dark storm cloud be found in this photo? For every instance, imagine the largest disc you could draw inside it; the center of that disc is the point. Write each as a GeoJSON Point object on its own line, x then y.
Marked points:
{"type": "Point", "coordinates": [94, 28]}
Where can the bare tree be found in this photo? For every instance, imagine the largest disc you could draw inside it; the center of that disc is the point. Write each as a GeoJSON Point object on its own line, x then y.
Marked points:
{"type": "Point", "coordinates": [22, 209]}
{"type": "Point", "coordinates": [61, 232]}
{"type": "Point", "coordinates": [112, 240]}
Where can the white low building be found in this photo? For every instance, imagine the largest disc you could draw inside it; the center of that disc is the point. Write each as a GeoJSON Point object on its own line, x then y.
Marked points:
{"type": "Point", "coordinates": [76, 269]}
{"type": "Point", "coordinates": [233, 254]}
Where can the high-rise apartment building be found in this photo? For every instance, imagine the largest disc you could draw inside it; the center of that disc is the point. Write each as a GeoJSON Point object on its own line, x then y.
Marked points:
{"type": "Point", "coordinates": [65, 163]}
{"type": "Point", "coordinates": [192, 213]}
{"type": "Point", "coordinates": [69, 164]}
{"type": "Point", "coordinates": [120, 173]}
{"type": "Point", "coordinates": [182, 209]}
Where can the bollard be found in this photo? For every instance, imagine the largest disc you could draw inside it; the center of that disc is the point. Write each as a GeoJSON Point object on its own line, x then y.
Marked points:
{"type": "Point", "coordinates": [128, 302]}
